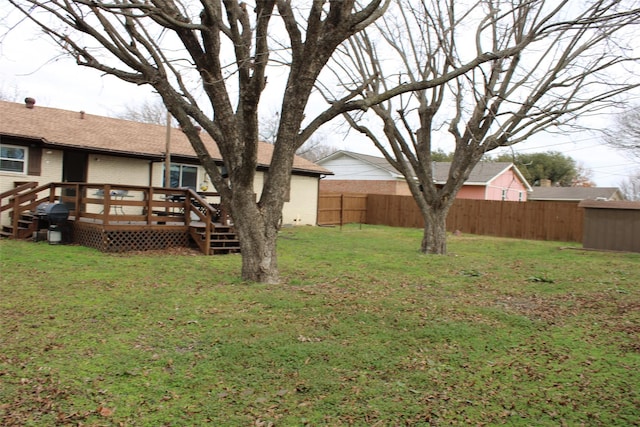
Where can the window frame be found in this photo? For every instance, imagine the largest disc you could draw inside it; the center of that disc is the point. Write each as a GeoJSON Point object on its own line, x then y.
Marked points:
{"type": "Point", "coordinates": [181, 167]}
{"type": "Point", "coordinates": [24, 160]}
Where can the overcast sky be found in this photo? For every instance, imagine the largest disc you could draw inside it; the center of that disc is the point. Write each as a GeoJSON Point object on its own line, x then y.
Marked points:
{"type": "Point", "coordinates": [28, 67]}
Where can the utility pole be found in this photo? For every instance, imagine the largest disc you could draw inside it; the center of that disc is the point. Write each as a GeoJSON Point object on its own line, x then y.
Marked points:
{"type": "Point", "coordinates": [167, 154]}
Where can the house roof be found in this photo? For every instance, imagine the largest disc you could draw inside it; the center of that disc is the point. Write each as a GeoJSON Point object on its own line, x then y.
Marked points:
{"type": "Point", "coordinates": [575, 193]}
{"type": "Point", "coordinates": [482, 174]}
{"type": "Point", "coordinates": [376, 161]}
{"type": "Point", "coordinates": [72, 129]}
{"type": "Point", "coordinates": [617, 204]}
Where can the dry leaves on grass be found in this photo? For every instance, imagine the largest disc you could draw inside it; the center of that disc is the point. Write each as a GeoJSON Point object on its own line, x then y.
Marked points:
{"type": "Point", "coordinates": [174, 251]}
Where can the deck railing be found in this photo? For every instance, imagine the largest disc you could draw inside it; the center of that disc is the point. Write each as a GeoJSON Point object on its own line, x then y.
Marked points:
{"type": "Point", "coordinates": [116, 204]}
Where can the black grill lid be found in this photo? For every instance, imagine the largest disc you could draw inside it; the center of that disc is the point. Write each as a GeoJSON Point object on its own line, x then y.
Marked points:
{"type": "Point", "coordinates": [53, 212]}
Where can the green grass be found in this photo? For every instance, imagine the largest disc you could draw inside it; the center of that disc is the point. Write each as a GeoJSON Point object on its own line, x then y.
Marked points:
{"type": "Point", "coordinates": [363, 331]}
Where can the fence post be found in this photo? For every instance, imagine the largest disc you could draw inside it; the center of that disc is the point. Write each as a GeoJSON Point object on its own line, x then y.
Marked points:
{"type": "Point", "coordinates": [341, 209]}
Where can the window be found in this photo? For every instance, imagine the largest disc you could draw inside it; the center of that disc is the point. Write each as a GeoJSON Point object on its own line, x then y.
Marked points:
{"type": "Point", "coordinates": [13, 159]}
{"type": "Point", "coordinates": [504, 194]}
{"type": "Point", "coordinates": [183, 176]}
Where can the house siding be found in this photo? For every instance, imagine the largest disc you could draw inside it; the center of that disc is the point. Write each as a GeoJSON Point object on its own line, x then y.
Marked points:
{"type": "Point", "coordinates": [476, 192]}
{"type": "Point", "coordinates": [50, 171]}
{"type": "Point", "coordinates": [508, 182]}
{"type": "Point", "coordinates": [117, 170]}
{"type": "Point", "coordinates": [347, 166]}
{"type": "Point", "coordinates": [302, 209]}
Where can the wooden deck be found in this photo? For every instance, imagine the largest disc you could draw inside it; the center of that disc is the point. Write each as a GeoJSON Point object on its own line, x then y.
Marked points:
{"type": "Point", "coordinates": [122, 218]}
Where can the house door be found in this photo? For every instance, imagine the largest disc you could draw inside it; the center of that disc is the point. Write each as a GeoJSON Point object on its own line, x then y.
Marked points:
{"type": "Point", "coordinates": [74, 169]}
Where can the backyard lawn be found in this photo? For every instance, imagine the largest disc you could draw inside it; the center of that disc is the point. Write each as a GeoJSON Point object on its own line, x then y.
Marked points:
{"type": "Point", "coordinates": [363, 331]}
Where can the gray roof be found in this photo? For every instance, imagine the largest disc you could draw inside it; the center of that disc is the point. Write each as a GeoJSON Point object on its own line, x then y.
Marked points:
{"type": "Point", "coordinates": [575, 193]}
{"type": "Point", "coordinates": [483, 173]}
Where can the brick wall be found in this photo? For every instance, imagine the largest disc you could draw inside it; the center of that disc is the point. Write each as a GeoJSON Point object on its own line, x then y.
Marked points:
{"type": "Point", "coordinates": [398, 188]}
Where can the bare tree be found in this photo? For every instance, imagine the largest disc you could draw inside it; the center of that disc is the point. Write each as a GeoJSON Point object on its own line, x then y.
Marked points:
{"type": "Point", "coordinates": [314, 148]}
{"type": "Point", "coordinates": [625, 133]}
{"type": "Point", "coordinates": [9, 93]}
{"type": "Point", "coordinates": [584, 176]}
{"type": "Point", "coordinates": [630, 187]}
{"type": "Point", "coordinates": [564, 70]}
{"type": "Point", "coordinates": [200, 57]}
{"type": "Point", "coordinates": [153, 112]}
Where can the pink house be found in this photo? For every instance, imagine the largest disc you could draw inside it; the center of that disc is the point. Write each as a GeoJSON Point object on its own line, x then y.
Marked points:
{"type": "Point", "coordinates": [361, 173]}
{"type": "Point", "coordinates": [489, 181]}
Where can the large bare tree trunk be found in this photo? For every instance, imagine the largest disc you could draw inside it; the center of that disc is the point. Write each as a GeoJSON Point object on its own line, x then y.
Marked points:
{"type": "Point", "coordinates": [257, 234]}
{"type": "Point", "coordinates": [434, 239]}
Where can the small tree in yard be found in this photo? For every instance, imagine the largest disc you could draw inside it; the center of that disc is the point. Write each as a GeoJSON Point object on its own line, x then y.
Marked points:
{"type": "Point", "coordinates": [568, 54]}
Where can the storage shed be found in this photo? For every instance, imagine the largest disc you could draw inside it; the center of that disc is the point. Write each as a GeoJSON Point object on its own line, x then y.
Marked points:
{"type": "Point", "coordinates": [611, 225]}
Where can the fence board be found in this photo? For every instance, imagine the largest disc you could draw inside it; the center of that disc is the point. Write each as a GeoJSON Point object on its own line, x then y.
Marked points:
{"type": "Point", "coordinates": [557, 221]}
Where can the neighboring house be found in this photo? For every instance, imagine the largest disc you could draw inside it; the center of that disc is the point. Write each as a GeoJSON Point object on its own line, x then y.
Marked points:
{"type": "Point", "coordinates": [361, 173]}
{"type": "Point", "coordinates": [575, 194]}
{"type": "Point", "coordinates": [52, 145]}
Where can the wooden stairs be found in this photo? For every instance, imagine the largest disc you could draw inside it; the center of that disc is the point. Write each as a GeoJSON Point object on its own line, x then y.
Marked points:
{"type": "Point", "coordinates": [221, 239]}
{"type": "Point", "coordinates": [27, 224]}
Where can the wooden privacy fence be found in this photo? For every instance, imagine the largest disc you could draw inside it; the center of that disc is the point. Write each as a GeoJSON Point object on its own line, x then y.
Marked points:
{"type": "Point", "coordinates": [338, 208]}
{"type": "Point", "coordinates": [559, 221]}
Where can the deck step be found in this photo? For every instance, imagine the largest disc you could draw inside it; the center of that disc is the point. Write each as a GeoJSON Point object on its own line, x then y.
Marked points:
{"type": "Point", "coordinates": [224, 250]}
{"type": "Point", "coordinates": [19, 233]}
{"type": "Point", "coordinates": [225, 243]}
{"type": "Point", "coordinates": [223, 240]}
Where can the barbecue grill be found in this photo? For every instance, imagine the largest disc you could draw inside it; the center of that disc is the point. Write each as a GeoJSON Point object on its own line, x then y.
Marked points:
{"type": "Point", "coordinates": [53, 213]}
{"type": "Point", "coordinates": [52, 216]}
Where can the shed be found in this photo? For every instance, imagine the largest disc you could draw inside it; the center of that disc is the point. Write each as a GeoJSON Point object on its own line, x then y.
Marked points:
{"type": "Point", "coordinates": [611, 225]}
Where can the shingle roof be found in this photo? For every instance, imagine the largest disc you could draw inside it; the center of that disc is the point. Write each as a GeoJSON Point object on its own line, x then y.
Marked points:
{"type": "Point", "coordinates": [575, 193]}
{"type": "Point", "coordinates": [482, 174]}
{"type": "Point", "coordinates": [610, 204]}
{"type": "Point", "coordinates": [65, 128]}
{"type": "Point", "coordinates": [377, 161]}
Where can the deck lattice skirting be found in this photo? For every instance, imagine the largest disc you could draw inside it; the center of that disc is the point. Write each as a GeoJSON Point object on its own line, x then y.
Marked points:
{"type": "Point", "coordinates": [118, 240]}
